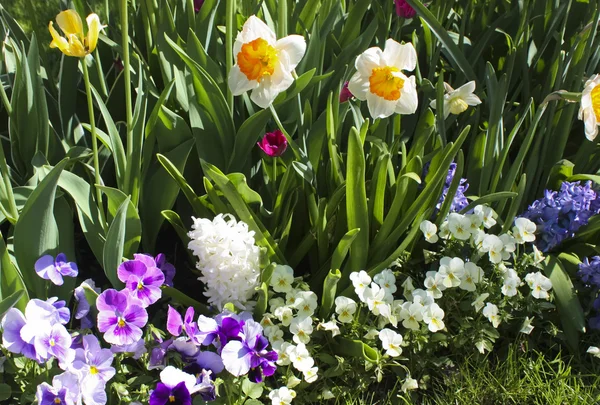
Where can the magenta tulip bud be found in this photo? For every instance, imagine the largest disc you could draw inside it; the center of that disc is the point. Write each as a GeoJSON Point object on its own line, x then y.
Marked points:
{"type": "Point", "coordinates": [198, 5]}
{"type": "Point", "coordinates": [345, 94]}
{"type": "Point", "coordinates": [404, 10]}
{"type": "Point", "coordinates": [274, 143]}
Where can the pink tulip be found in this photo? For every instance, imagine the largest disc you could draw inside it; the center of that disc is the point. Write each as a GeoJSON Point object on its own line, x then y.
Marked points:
{"type": "Point", "coordinates": [345, 94]}
{"type": "Point", "coordinates": [404, 10]}
{"type": "Point", "coordinates": [274, 143]}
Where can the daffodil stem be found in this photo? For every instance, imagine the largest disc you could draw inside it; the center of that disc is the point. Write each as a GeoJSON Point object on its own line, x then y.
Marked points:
{"type": "Point", "coordinates": [97, 179]}
{"type": "Point", "coordinates": [282, 18]}
{"type": "Point", "coordinates": [230, 29]}
{"type": "Point", "coordinates": [128, 109]}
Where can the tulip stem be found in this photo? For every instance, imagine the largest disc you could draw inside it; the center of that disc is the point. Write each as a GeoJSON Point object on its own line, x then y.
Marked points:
{"type": "Point", "coordinates": [295, 148]}
{"type": "Point", "coordinates": [230, 28]}
{"type": "Point", "coordinates": [129, 189]}
{"type": "Point", "coordinates": [282, 18]}
{"type": "Point", "coordinates": [97, 179]}
{"type": "Point", "coordinates": [275, 174]}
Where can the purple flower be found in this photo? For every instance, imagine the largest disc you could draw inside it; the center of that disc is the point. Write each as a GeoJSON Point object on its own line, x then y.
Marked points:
{"type": "Point", "coordinates": [120, 317]}
{"type": "Point", "coordinates": [142, 278]}
{"type": "Point", "coordinates": [61, 306]}
{"type": "Point", "coordinates": [206, 386]}
{"type": "Point", "coordinates": [174, 321]}
{"type": "Point", "coordinates": [205, 361]}
{"type": "Point", "coordinates": [589, 271]}
{"type": "Point", "coordinates": [64, 391]}
{"type": "Point", "coordinates": [273, 143]}
{"type": "Point", "coordinates": [175, 387]}
{"type": "Point", "coordinates": [158, 353]}
{"type": "Point", "coordinates": [93, 362]}
{"type": "Point", "coordinates": [345, 94]}
{"type": "Point", "coordinates": [167, 268]}
{"type": "Point", "coordinates": [460, 200]}
{"type": "Point", "coordinates": [12, 324]}
{"type": "Point", "coordinates": [136, 349]}
{"type": "Point", "coordinates": [404, 10]}
{"type": "Point", "coordinates": [250, 355]}
{"type": "Point", "coordinates": [198, 5]}
{"type": "Point", "coordinates": [54, 340]}
{"type": "Point", "coordinates": [50, 269]}
{"type": "Point", "coordinates": [83, 309]}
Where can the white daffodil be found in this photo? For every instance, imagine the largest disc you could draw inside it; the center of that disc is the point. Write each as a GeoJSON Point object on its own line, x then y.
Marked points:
{"type": "Point", "coordinates": [310, 375]}
{"type": "Point", "coordinates": [539, 284]}
{"type": "Point", "coordinates": [589, 111]}
{"type": "Point", "coordinates": [345, 308]}
{"type": "Point", "coordinates": [391, 342]}
{"type": "Point", "coordinates": [459, 226]}
{"type": "Point", "coordinates": [491, 313]}
{"type": "Point", "coordinates": [306, 302]}
{"type": "Point", "coordinates": [360, 281]}
{"type": "Point", "coordinates": [301, 329]}
{"type": "Point", "coordinates": [434, 282]}
{"type": "Point", "coordinates": [473, 274]}
{"type": "Point", "coordinates": [263, 64]}
{"type": "Point", "coordinates": [433, 316]}
{"type": "Point", "coordinates": [429, 231]}
{"type": "Point", "coordinates": [411, 314]}
{"type": "Point", "coordinates": [282, 279]}
{"type": "Point", "coordinates": [285, 315]}
{"type": "Point", "coordinates": [452, 271]}
{"type": "Point", "coordinates": [487, 215]}
{"type": "Point", "coordinates": [524, 230]}
{"type": "Point", "coordinates": [457, 101]}
{"type": "Point", "coordinates": [379, 79]}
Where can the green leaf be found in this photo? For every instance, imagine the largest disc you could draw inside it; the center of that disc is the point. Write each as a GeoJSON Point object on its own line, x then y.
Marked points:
{"type": "Point", "coordinates": [183, 299]}
{"type": "Point", "coordinates": [329, 290]}
{"type": "Point", "coordinates": [5, 392]}
{"type": "Point", "coordinates": [245, 140]}
{"type": "Point", "coordinates": [36, 233]}
{"type": "Point", "coordinates": [355, 348]}
{"type": "Point", "coordinates": [261, 303]}
{"type": "Point", "coordinates": [251, 389]}
{"type": "Point", "coordinates": [486, 199]}
{"type": "Point", "coordinates": [115, 241]}
{"type": "Point", "coordinates": [133, 225]}
{"type": "Point", "coordinates": [9, 302]}
{"type": "Point", "coordinates": [11, 280]}
{"type": "Point", "coordinates": [341, 250]}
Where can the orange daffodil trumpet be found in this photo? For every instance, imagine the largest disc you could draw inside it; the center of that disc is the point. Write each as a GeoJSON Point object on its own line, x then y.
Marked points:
{"type": "Point", "coordinates": [264, 64]}
{"type": "Point", "coordinates": [457, 101]}
{"type": "Point", "coordinates": [75, 42]}
{"type": "Point", "coordinates": [589, 111]}
{"type": "Point", "coordinates": [379, 79]}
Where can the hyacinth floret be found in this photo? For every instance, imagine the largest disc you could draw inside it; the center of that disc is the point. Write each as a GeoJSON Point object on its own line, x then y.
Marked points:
{"type": "Point", "coordinates": [460, 200]}
{"type": "Point", "coordinates": [559, 214]}
{"type": "Point", "coordinates": [228, 259]}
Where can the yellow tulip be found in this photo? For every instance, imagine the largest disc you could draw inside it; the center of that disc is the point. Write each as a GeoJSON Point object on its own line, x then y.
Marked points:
{"type": "Point", "coordinates": [75, 42]}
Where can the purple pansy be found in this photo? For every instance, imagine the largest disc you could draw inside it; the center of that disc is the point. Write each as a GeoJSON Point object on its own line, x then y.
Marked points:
{"type": "Point", "coordinates": [120, 317]}
{"type": "Point", "coordinates": [93, 362]}
{"type": "Point", "coordinates": [142, 278]}
{"type": "Point", "coordinates": [158, 353]}
{"type": "Point", "coordinates": [61, 306]}
{"type": "Point", "coordinates": [54, 340]}
{"type": "Point", "coordinates": [250, 355]}
{"type": "Point", "coordinates": [176, 387]}
{"type": "Point", "coordinates": [52, 269]}
{"type": "Point", "coordinates": [12, 324]}
{"type": "Point", "coordinates": [136, 349]}
{"type": "Point", "coordinates": [167, 268]}
{"type": "Point", "coordinates": [64, 390]}
{"type": "Point", "coordinates": [83, 308]}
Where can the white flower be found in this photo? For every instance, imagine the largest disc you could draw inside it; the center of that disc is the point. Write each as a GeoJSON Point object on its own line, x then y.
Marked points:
{"type": "Point", "coordinates": [434, 282]}
{"type": "Point", "coordinates": [509, 245]}
{"type": "Point", "coordinates": [491, 313]}
{"type": "Point", "coordinates": [409, 384]}
{"type": "Point", "coordinates": [526, 328]}
{"type": "Point", "coordinates": [411, 314]}
{"type": "Point", "coordinates": [263, 64]}
{"type": "Point", "coordinates": [360, 281]}
{"type": "Point", "coordinates": [479, 301]}
{"type": "Point", "coordinates": [589, 111]}
{"type": "Point", "coordinates": [451, 271]}
{"type": "Point", "coordinates": [539, 284]}
{"type": "Point", "coordinates": [283, 351]}
{"type": "Point", "coordinates": [429, 231]}
{"type": "Point", "coordinates": [421, 297]}
{"type": "Point", "coordinates": [538, 256]}
{"type": "Point", "coordinates": [433, 316]}
{"type": "Point", "coordinates": [494, 246]}
{"type": "Point", "coordinates": [375, 298]}
{"type": "Point", "coordinates": [282, 396]}
{"type": "Point", "coordinates": [172, 376]}
{"type": "Point", "coordinates": [291, 297]}
{"type": "Point", "coordinates": [282, 279]}
{"type": "Point", "coordinates": [594, 351]}
{"type": "Point", "coordinates": [371, 334]}
{"type": "Point", "coordinates": [511, 283]}
{"type": "Point", "coordinates": [459, 226]}
{"type": "Point", "coordinates": [387, 281]}
{"type": "Point", "coordinates": [306, 302]}
{"type": "Point", "coordinates": [301, 329]}
{"type": "Point", "coordinates": [473, 275]}
{"type": "Point", "coordinates": [330, 326]}
{"type": "Point", "coordinates": [380, 81]}
{"type": "Point", "coordinates": [300, 357]}
{"type": "Point", "coordinates": [327, 394]}
{"type": "Point", "coordinates": [293, 381]}
{"type": "Point", "coordinates": [310, 375]}
{"type": "Point", "coordinates": [444, 232]}
{"type": "Point", "coordinates": [275, 303]}
{"type": "Point", "coordinates": [228, 259]}
{"type": "Point", "coordinates": [457, 101]}
{"type": "Point", "coordinates": [408, 288]}
{"type": "Point", "coordinates": [487, 215]}
{"type": "Point", "coordinates": [478, 237]}
{"type": "Point", "coordinates": [391, 342]}
{"type": "Point", "coordinates": [285, 315]}
{"type": "Point", "coordinates": [274, 334]}
{"type": "Point", "coordinates": [345, 308]}
{"type": "Point", "coordinates": [524, 230]}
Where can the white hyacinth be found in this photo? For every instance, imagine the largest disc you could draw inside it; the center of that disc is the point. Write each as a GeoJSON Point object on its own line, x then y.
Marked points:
{"type": "Point", "coordinates": [228, 259]}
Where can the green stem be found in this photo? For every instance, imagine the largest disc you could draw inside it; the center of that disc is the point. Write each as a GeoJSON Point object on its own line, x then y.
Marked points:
{"type": "Point", "coordinates": [128, 104]}
{"type": "Point", "coordinates": [230, 28]}
{"type": "Point", "coordinates": [12, 206]}
{"type": "Point", "coordinates": [282, 18]}
{"type": "Point", "coordinates": [5, 99]}
{"type": "Point", "coordinates": [275, 173]}
{"type": "Point", "coordinates": [97, 179]}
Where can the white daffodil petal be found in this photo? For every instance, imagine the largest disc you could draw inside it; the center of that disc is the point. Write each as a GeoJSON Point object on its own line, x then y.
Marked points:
{"type": "Point", "coordinates": [409, 100]}
{"type": "Point", "coordinates": [379, 107]}
{"type": "Point", "coordinates": [238, 82]}
{"type": "Point", "coordinates": [369, 60]}
{"type": "Point", "coordinates": [591, 125]}
{"type": "Point", "coordinates": [255, 28]}
{"type": "Point", "coordinates": [294, 46]}
{"type": "Point", "coordinates": [467, 88]}
{"type": "Point", "coordinates": [433, 104]}
{"type": "Point", "coordinates": [264, 94]}
{"type": "Point", "coordinates": [472, 99]}
{"type": "Point", "coordinates": [403, 57]}
{"type": "Point", "coordinates": [359, 86]}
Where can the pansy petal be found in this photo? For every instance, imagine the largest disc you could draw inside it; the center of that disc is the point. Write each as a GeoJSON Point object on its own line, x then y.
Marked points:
{"type": "Point", "coordinates": [236, 358]}
{"type": "Point", "coordinates": [403, 57]}
{"type": "Point", "coordinates": [43, 265]}
{"type": "Point", "coordinates": [70, 22]}
{"type": "Point", "coordinates": [174, 322]}
{"type": "Point", "coordinates": [294, 46]}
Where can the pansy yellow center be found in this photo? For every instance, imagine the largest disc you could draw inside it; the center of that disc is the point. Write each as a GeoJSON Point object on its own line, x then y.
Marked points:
{"type": "Point", "coordinates": [458, 105]}
{"type": "Point", "coordinates": [596, 102]}
{"type": "Point", "coordinates": [140, 285]}
{"type": "Point", "coordinates": [57, 401]}
{"type": "Point", "coordinates": [52, 342]}
{"type": "Point", "coordinates": [385, 84]}
{"type": "Point", "coordinates": [282, 282]}
{"type": "Point", "coordinates": [171, 398]}
{"type": "Point", "coordinates": [121, 323]}
{"type": "Point", "coordinates": [257, 59]}
{"type": "Point", "coordinates": [93, 370]}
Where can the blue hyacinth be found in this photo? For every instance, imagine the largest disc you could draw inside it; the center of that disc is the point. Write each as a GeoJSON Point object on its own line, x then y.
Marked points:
{"type": "Point", "coordinates": [460, 200]}
{"type": "Point", "coordinates": [589, 273]}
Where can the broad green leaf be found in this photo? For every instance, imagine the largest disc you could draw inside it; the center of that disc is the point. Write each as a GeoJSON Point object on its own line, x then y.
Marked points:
{"type": "Point", "coordinates": [183, 299]}
{"type": "Point", "coordinates": [115, 241]}
{"type": "Point", "coordinates": [5, 389]}
{"type": "Point", "coordinates": [11, 281]}
{"type": "Point", "coordinates": [133, 228]}
{"type": "Point", "coordinates": [10, 301]}
{"type": "Point", "coordinates": [487, 199]}
{"type": "Point", "coordinates": [329, 290]}
{"type": "Point", "coordinates": [355, 348]}
{"type": "Point", "coordinates": [262, 301]}
{"type": "Point", "coordinates": [251, 389]}
{"type": "Point", "coordinates": [246, 138]}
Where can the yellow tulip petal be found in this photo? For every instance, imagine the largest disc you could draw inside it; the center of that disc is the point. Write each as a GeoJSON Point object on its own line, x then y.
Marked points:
{"type": "Point", "coordinates": [70, 22]}
{"type": "Point", "coordinates": [94, 28]}
{"type": "Point", "coordinates": [58, 41]}
{"type": "Point", "coordinates": [76, 47]}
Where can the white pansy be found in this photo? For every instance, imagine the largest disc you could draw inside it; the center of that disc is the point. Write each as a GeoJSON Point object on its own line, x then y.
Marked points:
{"type": "Point", "coordinates": [310, 375]}
{"type": "Point", "coordinates": [509, 245]}
{"type": "Point", "coordinates": [491, 313]}
{"type": "Point", "coordinates": [274, 334]}
{"type": "Point", "coordinates": [473, 275]}
{"type": "Point", "coordinates": [594, 351]}
{"type": "Point", "coordinates": [411, 314]}
{"type": "Point", "coordinates": [282, 279]}
{"type": "Point", "coordinates": [375, 298]}
{"type": "Point", "coordinates": [263, 64]}
{"type": "Point", "coordinates": [539, 284]}
{"type": "Point", "coordinates": [282, 396]}
{"type": "Point", "coordinates": [306, 303]}
{"type": "Point", "coordinates": [360, 281]}
{"type": "Point", "coordinates": [291, 297]}
{"type": "Point", "coordinates": [459, 226]}
{"type": "Point", "coordinates": [283, 351]}
{"type": "Point", "coordinates": [457, 101]}
{"type": "Point", "coordinates": [409, 384]}
{"type": "Point", "coordinates": [421, 297]}
{"type": "Point", "coordinates": [434, 282]}
{"type": "Point", "coordinates": [301, 328]}
{"type": "Point", "coordinates": [371, 334]}
{"type": "Point", "coordinates": [444, 232]}
{"type": "Point", "coordinates": [327, 394]}
{"type": "Point", "coordinates": [480, 301]}
{"type": "Point", "coordinates": [345, 308]}
{"type": "Point", "coordinates": [478, 237]}
{"type": "Point", "coordinates": [524, 230]}
{"type": "Point", "coordinates": [387, 281]}
{"type": "Point", "coordinates": [451, 271]}
{"type": "Point", "coordinates": [275, 303]}
{"type": "Point", "coordinates": [391, 342]}
{"type": "Point", "coordinates": [266, 321]}
{"type": "Point", "coordinates": [487, 214]}
{"type": "Point", "coordinates": [228, 259]}
{"type": "Point", "coordinates": [301, 359]}
{"type": "Point", "coordinates": [511, 283]}
{"type": "Point", "coordinates": [589, 110]}
{"type": "Point", "coordinates": [433, 316]}
{"type": "Point", "coordinates": [494, 247]}
{"type": "Point", "coordinates": [284, 314]}
{"type": "Point", "coordinates": [379, 79]}
{"type": "Point", "coordinates": [429, 231]}
{"type": "Point", "coordinates": [330, 326]}
{"type": "Point", "coordinates": [538, 256]}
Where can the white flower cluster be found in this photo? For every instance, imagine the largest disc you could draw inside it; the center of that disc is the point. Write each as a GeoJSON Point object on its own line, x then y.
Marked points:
{"type": "Point", "coordinates": [228, 259]}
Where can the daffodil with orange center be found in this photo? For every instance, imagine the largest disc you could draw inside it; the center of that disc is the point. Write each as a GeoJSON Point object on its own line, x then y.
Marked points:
{"type": "Point", "coordinates": [379, 79]}
{"type": "Point", "coordinates": [263, 64]}
{"type": "Point", "coordinates": [589, 110]}
{"type": "Point", "coordinates": [75, 42]}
